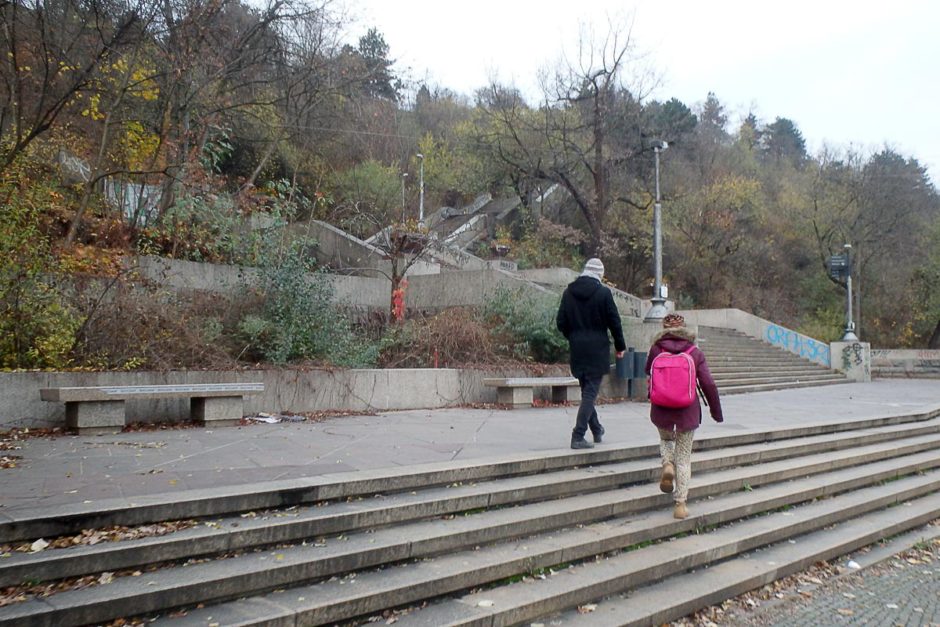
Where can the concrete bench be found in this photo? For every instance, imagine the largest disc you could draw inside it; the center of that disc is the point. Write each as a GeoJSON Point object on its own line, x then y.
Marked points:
{"type": "Point", "coordinates": [101, 409]}
{"type": "Point", "coordinates": [517, 392]}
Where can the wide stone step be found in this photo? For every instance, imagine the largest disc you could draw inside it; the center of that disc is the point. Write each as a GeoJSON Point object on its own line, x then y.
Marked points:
{"type": "Point", "coordinates": [684, 594]}
{"type": "Point", "coordinates": [297, 524]}
{"type": "Point", "coordinates": [785, 359]}
{"type": "Point", "coordinates": [758, 379]}
{"type": "Point", "coordinates": [771, 372]}
{"type": "Point", "coordinates": [285, 566]}
{"type": "Point", "coordinates": [372, 591]}
{"type": "Point", "coordinates": [733, 344]}
{"type": "Point", "coordinates": [782, 359]}
{"type": "Point", "coordinates": [46, 522]}
{"type": "Point", "coordinates": [768, 387]}
{"type": "Point", "coordinates": [798, 367]}
{"type": "Point", "coordinates": [711, 331]}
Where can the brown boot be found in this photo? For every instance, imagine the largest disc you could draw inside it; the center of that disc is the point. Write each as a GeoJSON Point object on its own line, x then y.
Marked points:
{"type": "Point", "coordinates": [680, 511]}
{"type": "Point", "coordinates": [667, 478]}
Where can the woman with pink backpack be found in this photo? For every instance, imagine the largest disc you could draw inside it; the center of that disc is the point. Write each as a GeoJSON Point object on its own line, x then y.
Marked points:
{"type": "Point", "coordinates": [676, 367]}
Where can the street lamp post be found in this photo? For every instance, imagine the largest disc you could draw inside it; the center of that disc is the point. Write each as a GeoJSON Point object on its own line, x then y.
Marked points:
{"type": "Point", "coordinates": [849, 335]}
{"type": "Point", "coordinates": [658, 310]}
{"type": "Point", "coordinates": [420, 189]}
{"type": "Point", "coordinates": [404, 176]}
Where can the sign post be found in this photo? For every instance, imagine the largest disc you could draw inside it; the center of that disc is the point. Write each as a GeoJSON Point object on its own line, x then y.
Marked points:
{"type": "Point", "coordinates": [840, 267]}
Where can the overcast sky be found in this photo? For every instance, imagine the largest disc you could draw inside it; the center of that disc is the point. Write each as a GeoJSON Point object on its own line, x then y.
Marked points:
{"type": "Point", "coordinates": [847, 72]}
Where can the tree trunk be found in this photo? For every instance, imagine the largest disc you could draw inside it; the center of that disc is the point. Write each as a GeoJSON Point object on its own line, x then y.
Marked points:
{"type": "Point", "coordinates": [99, 159]}
{"type": "Point", "coordinates": [934, 341]}
{"type": "Point", "coordinates": [396, 306]}
{"type": "Point", "coordinates": [261, 163]}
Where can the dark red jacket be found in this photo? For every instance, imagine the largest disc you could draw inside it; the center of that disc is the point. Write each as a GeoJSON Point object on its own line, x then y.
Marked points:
{"type": "Point", "coordinates": [686, 418]}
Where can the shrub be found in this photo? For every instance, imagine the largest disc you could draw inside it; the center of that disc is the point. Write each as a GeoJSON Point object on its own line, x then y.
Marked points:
{"type": "Point", "coordinates": [452, 338]}
{"type": "Point", "coordinates": [37, 330]}
{"type": "Point", "coordinates": [524, 326]}
{"type": "Point", "coordinates": [549, 245]}
{"type": "Point", "coordinates": [211, 227]}
{"type": "Point", "coordinates": [132, 326]}
{"type": "Point", "coordinates": [298, 320]}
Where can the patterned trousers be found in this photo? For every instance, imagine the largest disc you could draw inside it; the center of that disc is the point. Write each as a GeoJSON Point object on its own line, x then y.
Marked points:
{"type": "Point", "coordinates": [675, 447]}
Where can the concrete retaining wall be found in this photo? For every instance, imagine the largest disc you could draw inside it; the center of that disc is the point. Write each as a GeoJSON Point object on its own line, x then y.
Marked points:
{"type": "Point", "coordinates": [285, 391]}
{"type": "Point", "coordinates": [473, 288]}
{"type": "Point", "coordinates": [772, 333]}
{"type": "Point", "coordinates": [341, 250]}
{"type": "Point", "coordinates": [356, 291]}
{"type": "Point", "coordinates": [428, 292]}
{"type": "Point", "coordinates": [923, 363]}
{"type": "Point", "coordinates": [629, 305]}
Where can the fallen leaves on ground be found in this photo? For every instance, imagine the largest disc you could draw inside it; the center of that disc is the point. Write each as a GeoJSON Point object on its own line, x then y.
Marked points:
{"type": "Point", "coordinates": [90, 537]}
{"type": "Point", "coordinates": [9, 461]}
{"type": "Point", "coordinates": [10, 440]}
{"type": "Point", "coordinates": [754, 606]}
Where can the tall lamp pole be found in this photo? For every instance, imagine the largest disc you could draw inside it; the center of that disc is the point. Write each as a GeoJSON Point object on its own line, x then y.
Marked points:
{"type": "Point", "coordinates": [404, 175]}
{"type": "Point", "coordinates": [849, 335]}
{"type": "Point", "coordinates": [658, 310]}
{"type": "Point", "coordinates": [420, 189]}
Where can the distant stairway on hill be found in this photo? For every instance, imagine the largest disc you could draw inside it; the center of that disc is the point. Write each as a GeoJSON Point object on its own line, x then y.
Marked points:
{"type": "Point", "coordinates": [740, 363]}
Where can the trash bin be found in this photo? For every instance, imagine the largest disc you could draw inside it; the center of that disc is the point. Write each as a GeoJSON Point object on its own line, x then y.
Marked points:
{"type": "Point", "coordinates": [639, 364]}
{"type": "Point", "coordinates": [625, 365]}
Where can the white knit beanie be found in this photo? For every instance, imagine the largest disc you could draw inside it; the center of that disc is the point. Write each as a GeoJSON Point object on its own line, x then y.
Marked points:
{"type": "Point", "coordinates": [594, 268]}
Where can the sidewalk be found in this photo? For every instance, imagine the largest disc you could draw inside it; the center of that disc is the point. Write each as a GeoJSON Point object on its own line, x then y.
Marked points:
{"type": "Point", "coordinates": [81, 469]}
{"type": "Point", "coordinates": [898, 583]}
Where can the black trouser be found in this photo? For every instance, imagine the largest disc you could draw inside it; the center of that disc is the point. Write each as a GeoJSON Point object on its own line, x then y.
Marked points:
{"type": "Point", "coordinates": [587, 415]}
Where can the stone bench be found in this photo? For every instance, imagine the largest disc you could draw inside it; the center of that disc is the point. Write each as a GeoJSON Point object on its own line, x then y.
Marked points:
{"type": "Point", "coordinates": [517, 392]}
{"type": "Point", "coordinates": [101, 409]}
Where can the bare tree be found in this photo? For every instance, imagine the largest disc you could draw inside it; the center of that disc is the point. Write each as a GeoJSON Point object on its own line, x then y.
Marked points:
{"type": "Point", "coordinates": [583, 132]}
{"type": "Point", "coordinates": [53, 51]}
{"type": "Point", "coordinates": [219, 59]}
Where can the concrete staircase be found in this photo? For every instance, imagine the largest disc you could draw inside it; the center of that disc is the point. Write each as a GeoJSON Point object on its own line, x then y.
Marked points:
{"type": "Point", "coordinates": [743, 364]}
{"type": "Point", "coordinates": [494, 542]}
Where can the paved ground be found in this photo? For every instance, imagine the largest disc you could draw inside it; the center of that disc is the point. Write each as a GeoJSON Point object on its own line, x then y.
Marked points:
{"type": "Point", "coordinates": [71, 469]}
{"type": "Point", "coordinates": [894, 588]}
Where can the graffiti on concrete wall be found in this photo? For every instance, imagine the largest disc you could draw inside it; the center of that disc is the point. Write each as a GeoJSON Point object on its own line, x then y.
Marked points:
{"type": "Point", "coordinates": [805, 347]}
{"type": "Point", "coordinates": [853, 357]}
{"type": "Point", "coordinates": [929, 354]}
{"type": "Point", "coordinates": [627, 304]}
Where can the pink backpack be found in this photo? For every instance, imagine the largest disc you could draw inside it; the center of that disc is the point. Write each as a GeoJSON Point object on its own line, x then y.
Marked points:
{"type": "Point", "coordinates": [672, 379]}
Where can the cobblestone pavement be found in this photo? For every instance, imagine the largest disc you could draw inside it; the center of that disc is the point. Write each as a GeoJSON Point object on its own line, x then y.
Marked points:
{"type": "Point", "coordinates": [901, 591]}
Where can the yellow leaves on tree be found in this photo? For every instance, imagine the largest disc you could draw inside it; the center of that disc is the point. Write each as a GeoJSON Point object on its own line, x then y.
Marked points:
{"type": "Point", "coordinates": [138, 146]}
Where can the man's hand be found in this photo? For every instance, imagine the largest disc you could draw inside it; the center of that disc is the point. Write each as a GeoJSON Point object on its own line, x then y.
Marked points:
{"type": "Point", "coordinates": [620, 354]}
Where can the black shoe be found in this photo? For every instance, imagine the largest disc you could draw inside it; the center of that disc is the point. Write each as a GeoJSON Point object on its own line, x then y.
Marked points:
{"type": "Point", "coordinates": [599, 436]}
{"type": "Point", "coordinates": [581, 443]}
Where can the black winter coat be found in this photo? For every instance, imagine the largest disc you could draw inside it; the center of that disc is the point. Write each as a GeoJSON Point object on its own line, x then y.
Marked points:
{"type": "Point", "coordinates": [586, 313]}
